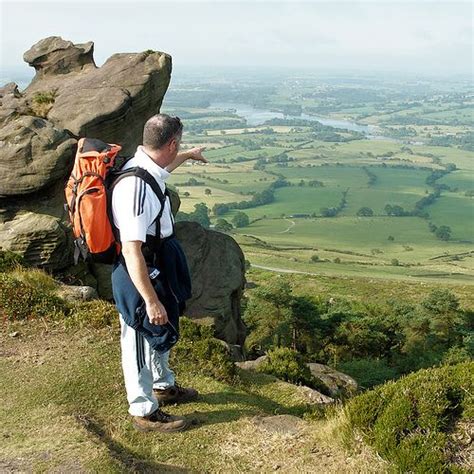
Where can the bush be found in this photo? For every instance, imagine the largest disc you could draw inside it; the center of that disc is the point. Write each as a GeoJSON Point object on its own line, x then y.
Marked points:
{"type": "Point", "coordinates": [408, 421]}
{"type": "Point", "coordinates": [93, 314]}
{"type": "Point", "coordinates": [368, 372]}
{"type": "Point", "coordinates": [287, 364]}
{"type": "Point", "coordinates": [198, 351]}
{"type": "Point", "coordinates": [21, 300]}
{"type": "Point", "coordinates": [9, 260]}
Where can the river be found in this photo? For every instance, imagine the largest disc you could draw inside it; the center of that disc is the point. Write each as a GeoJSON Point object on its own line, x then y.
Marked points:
{"type": "Point", "coordinates": [256, 116]}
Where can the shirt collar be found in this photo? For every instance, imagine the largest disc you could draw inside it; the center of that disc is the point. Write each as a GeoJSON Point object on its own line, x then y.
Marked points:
{"type": "Point", "coordinates": [144, 161]}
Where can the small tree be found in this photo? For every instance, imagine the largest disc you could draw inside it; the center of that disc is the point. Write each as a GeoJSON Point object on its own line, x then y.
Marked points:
{"type": "Point", "coordinates": [241, 219]}
{"type": "Point", "coordinates": [365, 212]}
{"type": "Point", "coordinates": [443, 232]}
{"type": "Point", "coordinates": [223, 226]}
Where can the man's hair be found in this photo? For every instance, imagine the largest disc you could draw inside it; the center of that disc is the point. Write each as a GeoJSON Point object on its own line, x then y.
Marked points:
{"type": "Point", "coordinates": [160, 129]}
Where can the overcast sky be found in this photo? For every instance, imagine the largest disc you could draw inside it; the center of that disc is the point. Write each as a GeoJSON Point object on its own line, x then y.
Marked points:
{"type": "Point", "coordinates": [406, 36]}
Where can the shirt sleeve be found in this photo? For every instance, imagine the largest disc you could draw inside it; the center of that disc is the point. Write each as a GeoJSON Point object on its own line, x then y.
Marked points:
{"type": "Point", "coordinates": [132, 208]}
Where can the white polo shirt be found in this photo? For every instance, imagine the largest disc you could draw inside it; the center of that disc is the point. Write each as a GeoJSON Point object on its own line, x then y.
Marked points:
{"type": "Point", "coordinates": [134, 204]}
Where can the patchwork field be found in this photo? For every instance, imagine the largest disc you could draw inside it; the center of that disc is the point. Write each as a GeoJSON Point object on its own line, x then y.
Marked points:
{"type": "Point", "coordinates": [322, 178]}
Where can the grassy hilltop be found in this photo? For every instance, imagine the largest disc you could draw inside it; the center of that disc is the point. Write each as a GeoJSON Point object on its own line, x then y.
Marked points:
{"type": "Point", "coordinates": [64, 406]}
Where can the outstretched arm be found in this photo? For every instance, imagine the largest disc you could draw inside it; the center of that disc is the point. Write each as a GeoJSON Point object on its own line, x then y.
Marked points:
{"type": "Point", "coordinates": [193, 154]}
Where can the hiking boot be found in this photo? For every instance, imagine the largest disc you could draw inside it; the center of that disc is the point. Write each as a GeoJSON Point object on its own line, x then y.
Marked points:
{"type": "Point", "coordinates": [175, 394]}
{"type": "Point", "coordinates": [160, 421]}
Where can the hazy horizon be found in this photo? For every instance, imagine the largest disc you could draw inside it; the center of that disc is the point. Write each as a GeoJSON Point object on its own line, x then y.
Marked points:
{"type": "Point", "coordinates": [401, 38]}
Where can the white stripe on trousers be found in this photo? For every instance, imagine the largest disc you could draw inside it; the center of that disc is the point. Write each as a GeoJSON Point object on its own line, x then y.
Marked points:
{"type": "Point", "coordinates": [143, 370]}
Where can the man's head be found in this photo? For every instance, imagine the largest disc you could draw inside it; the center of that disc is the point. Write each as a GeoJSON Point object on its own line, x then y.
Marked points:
{"type": "Point", "coordinates": [162, 134]}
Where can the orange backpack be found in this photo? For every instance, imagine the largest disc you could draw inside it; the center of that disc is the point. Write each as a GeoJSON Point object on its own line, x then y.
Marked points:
{"type": "Point", "coordinates": [97, 168]}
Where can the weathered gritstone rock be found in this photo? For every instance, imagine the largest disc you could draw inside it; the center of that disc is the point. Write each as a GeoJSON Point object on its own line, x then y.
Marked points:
{"type": "Point", "coordinates": [218, 276]}
{"type": "Point", "coordinates": [313, 397]}
{"type": "Point", "coordinates": [53, 55]}
{"type": "Point", "coordinates": [41, 240]}
{"type": "Point", "coordinates": [338, 384]}
{"type": "Point", "coordinates": [12, 103]}
{"type": "Point", "coordinates": [252, 364]}
{"type": "Point", "coordinates": [74, 294]}
{"type": "Point", "coordinates": [112, 102]}
{"type": "Point", "coordinates": [33, 155]}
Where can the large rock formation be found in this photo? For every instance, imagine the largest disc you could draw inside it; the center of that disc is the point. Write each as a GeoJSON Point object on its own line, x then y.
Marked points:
{"type": "Point", "coordinates": [69, 97]}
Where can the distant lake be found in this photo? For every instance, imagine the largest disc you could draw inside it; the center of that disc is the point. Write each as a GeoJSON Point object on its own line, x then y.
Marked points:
{"type": "Point", "coordinates": [255, 116]}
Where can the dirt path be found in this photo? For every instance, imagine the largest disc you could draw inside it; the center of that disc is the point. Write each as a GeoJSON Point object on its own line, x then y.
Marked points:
{"type": "Point", "coordinates": [292, 224]}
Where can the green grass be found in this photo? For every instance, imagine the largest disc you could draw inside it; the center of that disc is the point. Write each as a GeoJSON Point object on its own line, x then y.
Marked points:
{"type": "Point", "coordinates": [64, 409]}
{"type": "Point", "coordinates": [463, 180]}
{"type": "Point", "coordinates": [456, 211]}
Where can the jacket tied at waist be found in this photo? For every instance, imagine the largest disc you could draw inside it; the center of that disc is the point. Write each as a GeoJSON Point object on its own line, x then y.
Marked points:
{"type": "Point", "coordinates": [173, 287]}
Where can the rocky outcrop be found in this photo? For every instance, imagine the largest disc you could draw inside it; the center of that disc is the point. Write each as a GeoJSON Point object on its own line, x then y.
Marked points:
{"type": "Point", "coordinates": [52, 56]}
{"type": "Point", "coordinates": [112, 102]}
{"type": "Point", "coordinates": [34, 155]}
{"type": "Point", "coordinates": [217, 269]}
{"type": "Point", "coordinates": [69, 97]}
{"type": "Point", "coordinates": [336, 384]}
{"type": "Point", "coordinates": [42, 240]}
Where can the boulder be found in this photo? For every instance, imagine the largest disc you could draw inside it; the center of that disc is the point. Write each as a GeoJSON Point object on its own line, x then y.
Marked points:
{"type": "Point", "coordinates": [74, 294]}
{"type": "Point", "coordinates": [33, 155]}
{"type": "Point", "coordinates": [52, 56]}
{"type": "Point", "coordinates": [40, 239]}
{"type": "Point", "coordinates": [313, 397]}
{"type": "Point", "coordinates": [252, 364]}
{"type": "Point", "coordinates": [217, 270]}
{"type": "Point", "coordinates": [68, 97]}
{"type": "Point", "coordinates": [337, 383]}
{"type": "Point", "coordinates": [332, 382]}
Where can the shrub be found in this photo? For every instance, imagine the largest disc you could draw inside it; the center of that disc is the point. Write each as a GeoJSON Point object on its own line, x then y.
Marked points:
{"type": "Point", "coordinates": [42, 103]}
{"type": "Point", "coordinates": [21, 300]}
{"type": "Point", "coordinates": [199, 351]}
{"type": "Point", "coordinates": [35, 278]}
{"type": "Point", "coordinates": [408, 421]}
{"type": "Point", "coordinates": [93, 314]}
{"type": "Point", "coordinates": [9, 260]}
{"type": "Point", "coordinates": [368, 372]}
{"type": "Point", "coordinates": [287, 364]}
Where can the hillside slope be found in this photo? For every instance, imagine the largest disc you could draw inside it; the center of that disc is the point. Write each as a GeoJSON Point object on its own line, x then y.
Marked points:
{"type": "Point", "coordinates": [64, 409]}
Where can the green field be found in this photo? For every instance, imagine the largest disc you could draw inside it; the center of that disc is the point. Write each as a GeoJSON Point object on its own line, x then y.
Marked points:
{"type": "Point", "coordinates": [292, 226]}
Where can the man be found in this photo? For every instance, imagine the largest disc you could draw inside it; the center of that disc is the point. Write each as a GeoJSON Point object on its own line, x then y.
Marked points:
{"type": "Point", "coordinates": [149, 381]}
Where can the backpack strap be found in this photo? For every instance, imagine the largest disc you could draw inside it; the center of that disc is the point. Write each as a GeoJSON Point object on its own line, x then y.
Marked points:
{"type": "Point", "coordinates": [152, 243]}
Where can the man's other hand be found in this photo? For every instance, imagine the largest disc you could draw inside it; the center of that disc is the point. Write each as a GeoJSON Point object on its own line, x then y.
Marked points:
{"type": "Point", "coordinates": [156, 313]}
